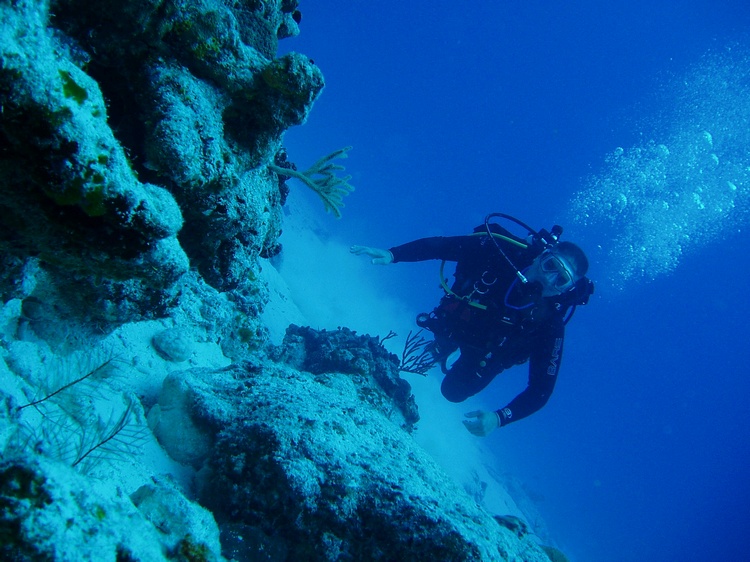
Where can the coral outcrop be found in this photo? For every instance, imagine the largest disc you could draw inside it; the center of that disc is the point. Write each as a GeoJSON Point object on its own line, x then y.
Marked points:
{"type": "Point", "coordinates": [301, 464]}
{"type": "Point", "coordinates": [141, 183]}
{"type": "Point", "coordinates": [363, 357]}
{"type": "Point", "coordinates": [48, 512]}
{"type": "Point", "coordinates": [135, 141]}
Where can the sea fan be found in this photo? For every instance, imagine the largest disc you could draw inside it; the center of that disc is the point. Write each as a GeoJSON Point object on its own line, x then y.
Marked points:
{"type": "Point", "coordinates": [62, 421]}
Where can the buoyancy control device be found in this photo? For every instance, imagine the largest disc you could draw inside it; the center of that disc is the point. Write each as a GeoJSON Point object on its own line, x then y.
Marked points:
{"type": "Point", "coordinates": [452, 319]}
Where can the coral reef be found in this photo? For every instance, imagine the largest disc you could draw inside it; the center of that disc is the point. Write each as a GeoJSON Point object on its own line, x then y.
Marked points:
{"type": "Point", "coordinates": [300, 463]}
{"type": "Point", "coordinates": [70, 196]}
{"type": "Point", "coordinates": [50, 513]}
{"type": "Point", "coordinates": [141, 186]}
{"type": "Point", "coordinates": [135, 141]}
{"type": "Point", "coordinates": [343, 351]}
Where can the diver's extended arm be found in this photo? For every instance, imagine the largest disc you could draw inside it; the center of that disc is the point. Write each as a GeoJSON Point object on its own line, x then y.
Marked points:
{"type": "Point", "coordinates": [449, 248]}
{"type": "Point", "coordinates": [544, 365]}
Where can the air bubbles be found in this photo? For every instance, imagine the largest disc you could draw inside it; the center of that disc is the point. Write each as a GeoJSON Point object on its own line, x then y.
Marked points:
{"type": "Point", "coordinates": [685, 189]}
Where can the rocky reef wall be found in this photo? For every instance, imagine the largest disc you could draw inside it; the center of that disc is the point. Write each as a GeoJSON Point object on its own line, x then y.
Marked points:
{"type": "Point", "coordinates": [135, 138]}
{"type": "Point", "coordinates": [143, 414]}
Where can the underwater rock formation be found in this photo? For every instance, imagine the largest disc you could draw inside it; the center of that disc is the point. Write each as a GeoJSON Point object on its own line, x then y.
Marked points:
{"type": "Point", "coordinates": [49, 512]}
{"type": "Point", "coordinates": [343, 351]}
{"type": "Point", "coordinates": [291, 465]}
{"type": "Point", "coordinates": [134, 141]}
{"type": "Point", "coordinates": [70, 196]}
{"type": "Point", "coordinates": [302, 465]}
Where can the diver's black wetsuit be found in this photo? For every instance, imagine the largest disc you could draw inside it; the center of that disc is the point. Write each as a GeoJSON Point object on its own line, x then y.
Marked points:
{"type": "Point", "coordinates": [518, 325]}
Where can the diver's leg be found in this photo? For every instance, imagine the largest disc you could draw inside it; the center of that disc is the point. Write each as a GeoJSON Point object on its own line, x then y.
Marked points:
{"type": "Point", "coordinates": [467, 377]}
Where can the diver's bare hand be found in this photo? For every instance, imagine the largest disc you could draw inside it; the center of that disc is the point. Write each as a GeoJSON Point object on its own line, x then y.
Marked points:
{"type": "Point", "coordinates": [379, 257]}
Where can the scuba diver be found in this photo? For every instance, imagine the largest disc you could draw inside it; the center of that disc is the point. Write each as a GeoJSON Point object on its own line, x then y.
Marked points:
{"type": "Point", "coordinates": [509, 304]}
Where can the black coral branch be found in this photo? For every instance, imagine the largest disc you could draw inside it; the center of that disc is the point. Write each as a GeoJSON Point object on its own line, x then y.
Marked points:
{"type": "Point", "coordinates": [416, 357]}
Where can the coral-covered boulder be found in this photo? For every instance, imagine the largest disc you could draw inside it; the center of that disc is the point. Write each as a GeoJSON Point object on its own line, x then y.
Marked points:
{"type": "Point", "coordinates": [50, 512]}
{"type": "Point", "coordinates": [306, 466]}
{"type": "Point", "coordinates": [374, 369]}
{"type": "Point", "coordinates": [307, 461]}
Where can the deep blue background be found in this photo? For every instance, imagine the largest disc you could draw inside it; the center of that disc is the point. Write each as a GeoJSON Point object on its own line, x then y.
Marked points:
{"type": "Point", "coordinates": [458, 109]}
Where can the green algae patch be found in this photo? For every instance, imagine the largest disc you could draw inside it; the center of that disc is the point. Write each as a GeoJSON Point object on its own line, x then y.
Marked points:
{"type": "Point", "coordinates": [71, 88]}
{"type": "Point", "coordinates": [86, 191]}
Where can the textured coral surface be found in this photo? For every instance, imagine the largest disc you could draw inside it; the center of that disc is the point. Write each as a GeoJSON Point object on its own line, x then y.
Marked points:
{"type": "Point", "coordinates": [135, 142]}
{"type": "Point", "coordinates": [143, 414]}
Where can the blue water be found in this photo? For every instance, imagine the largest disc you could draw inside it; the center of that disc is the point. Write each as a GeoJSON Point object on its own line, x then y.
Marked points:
{"type": "Point", "coordinates": [628, 124]}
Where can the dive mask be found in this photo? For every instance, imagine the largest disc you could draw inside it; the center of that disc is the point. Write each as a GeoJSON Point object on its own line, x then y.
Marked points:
{"type": "Point", "coordinates": [557, 272]}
